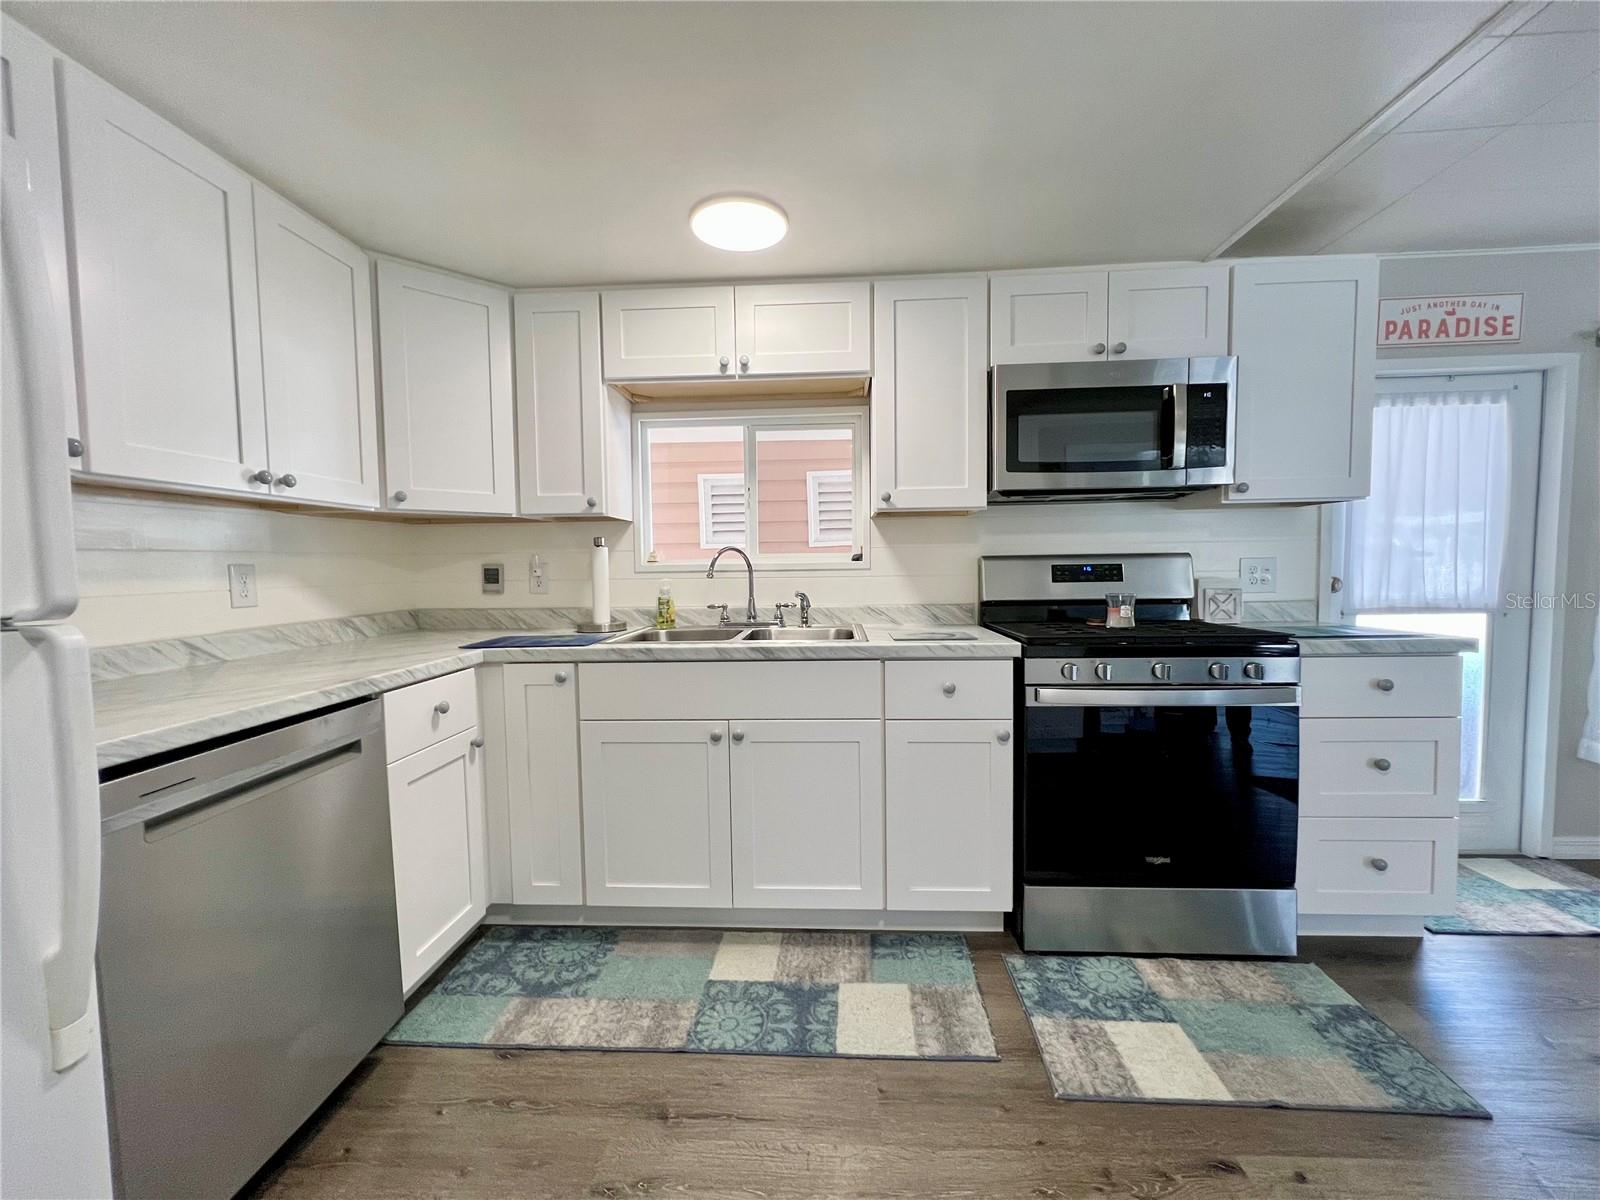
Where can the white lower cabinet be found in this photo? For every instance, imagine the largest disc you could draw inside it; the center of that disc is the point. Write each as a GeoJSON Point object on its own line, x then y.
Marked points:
{"type": "Point", "coordinates": [807, 801]}
{"type": "Point", "coordinates": [948, 815]}
{"type": "Point", "coordinates": [656, 813]}
{"type": "Point", "coordinates": [543, 803]}
{"type": "Point", "coordinates": [440, 866]}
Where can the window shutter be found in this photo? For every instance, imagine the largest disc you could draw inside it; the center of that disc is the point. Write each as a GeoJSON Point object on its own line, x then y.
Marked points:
{"type": "Point", "coordinates": [830, 507]}
{"type": "Point", "coordinates": [722, 511]}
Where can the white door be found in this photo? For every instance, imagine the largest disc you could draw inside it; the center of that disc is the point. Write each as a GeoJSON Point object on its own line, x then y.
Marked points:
{"type": "Point", "coordinates": [541, 712]}
{"type": "Point", "coordinates": [1305, 333]}
{"type": "Point", "coordinates": [668, 333]}
{"type": "Point", "coordinates": [655, 813]}
{"type": "Point", "coordinates": [807, 814]}
{"type": "Point", "coordinates": [949, 815]}
{"type": "Point", "coordinates": [317, 358]}
{"type": "Point", "coordinates": [1494, 686]}
{"type": "Point", "coordinates": [441, 880]}
{"type": "Point", "coordinates": [168, 316]}
{"type": "Point", "coordinates": [561, 406]}
{"type": "Point", "coordinates": [1167, 312]}
{"type": "Point", "coordinates": [929, 394]}
{"type": "Point", "coordinates": [803, 328]}
{"type": "Point", "coordinates": [1047, 318]}
{"type": "Point", "coordinates": [445, 344]}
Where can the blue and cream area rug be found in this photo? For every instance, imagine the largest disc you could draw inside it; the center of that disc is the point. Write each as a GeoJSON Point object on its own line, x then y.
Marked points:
{"type": "Point", "coordinates": [853, 995]}
{"type": "Point", "coordinates": [1260, 1034]}
{"type": "Point", "coordinates": [1522, 896]}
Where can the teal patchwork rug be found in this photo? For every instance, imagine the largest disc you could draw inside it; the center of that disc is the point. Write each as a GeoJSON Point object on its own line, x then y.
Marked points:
{"type": "Point", "coordinates": [849, 995]}
{"type": "Point", "coordinates": [1522, 896]}
{"type": "Point", "coordinates": [1259, 1034]}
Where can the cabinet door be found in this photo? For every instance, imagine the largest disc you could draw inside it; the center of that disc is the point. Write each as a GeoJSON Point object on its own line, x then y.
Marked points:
{"type": "Point", "coordinates": [655, 813]}
{"type": "Point", "coordinates": [1047, 318]}
{"type": "Point", "coordinates": [929, 401]}
{"type": "Point", "coordinates": [1377, 866]}
{"type": "Point", "coordinates": [447, 406]}
{"type": "Point", "coordinates": [541, 713]}
{"type": "Point", "coordinates": [807, 814]}
{"type": "Point", "coordinates": [668, 333]}
{"type": "Point", "coordinates": [440, 873]}
{"type": "Point", "coordinates": [316, 355]}
{"type": "Point", "coordinates": [804, 328]}
{"type": "Point", "coordinates": [949, 815]}
{"type": "Point", "coordinates": [167, 305]}
{"type": "Point", "coordinates": [1305, 333]}
{"type": "Point", "coordinates": [561, 408]}
{"type": "Point", "coordinates": [1167, 312]}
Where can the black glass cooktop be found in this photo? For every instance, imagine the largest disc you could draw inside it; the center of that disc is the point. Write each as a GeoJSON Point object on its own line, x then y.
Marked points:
{"type": "Point", "coordinates": [1081, 639]}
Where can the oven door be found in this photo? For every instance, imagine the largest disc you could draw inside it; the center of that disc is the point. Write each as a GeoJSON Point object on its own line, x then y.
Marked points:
{"type": "Point", "coordinates": [1166, 787]}
{"type": "Point", "coordinates": [1061, 427]}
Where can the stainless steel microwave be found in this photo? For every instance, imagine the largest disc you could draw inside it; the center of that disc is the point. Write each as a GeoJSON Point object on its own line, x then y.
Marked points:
{"type": "Point", "coordinates": [1097, 428]}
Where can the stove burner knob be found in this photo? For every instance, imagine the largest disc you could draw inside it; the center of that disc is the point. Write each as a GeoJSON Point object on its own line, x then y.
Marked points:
{"type": "Point", "coordinates": [1102, 671]}
{"type": "Point", "coordinates": [1162, 671]}
{"type": "Point", "coordinates": [1218, 670]}
{"type": "Point", "coordinates": [1254, 670]}
{"type": "Point", "coordinates": [1069, 672]}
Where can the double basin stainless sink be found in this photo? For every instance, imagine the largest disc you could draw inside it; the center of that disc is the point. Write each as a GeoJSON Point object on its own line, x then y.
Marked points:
{"type": "Point", "coordinates": [738, 633]}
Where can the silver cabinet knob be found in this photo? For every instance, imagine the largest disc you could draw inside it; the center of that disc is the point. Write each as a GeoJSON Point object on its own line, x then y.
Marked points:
{"type": "Point", "coordinates": [1378, 864]}
{"type": "Point", "coordinates": [738, 735]}
{"type": "Point", "coordinates": [716, 736]}
{"type": "Point", "coordinates": [561, 676]}
{"type": "Point", "coordinates": [287, 481]}
{"type": "Point", "coordinates": [885, 497]}
{"type": "Point", "coordinates": [74, 448]}
{"type": "Point", "coordinates": [744, 362]}
{"type": "Point", "coordinates": [1381, 764]}
{"type": "Point", "coordinates": [401, 497]}
{"type": "Point", "coordinates": [722, 362]}
{"type": "Point", "coordinates": [1098, 348]}
{"type": "Point", "coordinates": [442, 707]}
{"type": "Point", "coordinates": [1241, 488]}
{"type": "Point", "coordinates": [1383, 685]}
{"type": "Point", "coordinates": [590, 502]}
{"type": "Point", "coordinates": [477, 742]}
{"type": "Point", "coordinates": [949, 689]}
{"type": "Point", "coordinates": [1217, 670]}
{"type": "Point", "coordinates": [1003, 736]}
{"type": "Point", "coordinates": [1120, 348]}
{"type": "Point", "coordinates": [263, 477]}
{"type": "Point", "coordinates": [1102, 672]}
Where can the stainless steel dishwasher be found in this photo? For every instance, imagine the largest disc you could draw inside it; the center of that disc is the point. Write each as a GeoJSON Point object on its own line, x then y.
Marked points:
{"type": "Point", "coordinates": [248, 955]}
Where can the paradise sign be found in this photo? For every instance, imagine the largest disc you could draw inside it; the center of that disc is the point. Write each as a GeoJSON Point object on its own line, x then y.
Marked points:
{"type": "Point", "coordinates": [1449, 320]}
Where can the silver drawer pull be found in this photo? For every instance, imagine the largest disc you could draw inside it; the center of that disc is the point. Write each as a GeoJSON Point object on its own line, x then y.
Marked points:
{"type": "Point", "coordinates": [442, 707]}
{"type": "Point", "coordinates": [1384, 685]}
{"type": "Point", "coordinates": [949, 689]}
{"type": "Point", "coordinates": [561, 676]}
{"type": "Point", "coordinates": [477, 742]}
{"type": "Point", "coordinates": [1381, 764]}
{"type": "Point", "coordinates": [1003, 736]}
{"type": "Point", "coordinates": [1378, 864]}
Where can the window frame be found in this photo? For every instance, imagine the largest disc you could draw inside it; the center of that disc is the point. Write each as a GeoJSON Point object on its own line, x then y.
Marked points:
{"type": "Point", "coordinates": [752, 421]}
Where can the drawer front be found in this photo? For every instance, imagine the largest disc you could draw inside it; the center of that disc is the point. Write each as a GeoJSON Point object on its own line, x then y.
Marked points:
{"type": "Point", "coordinates": [948, 691]}
{"type": "Point", "coordinates": [412, 716]}
{"type": "Point", "coordinates": [709, 691]}
{"type": "Point", "coordinates": [1377, 866]}
{"type": "Point", "coordinates": [1405, 767]}
{"type": "Point", "coordinates": [1418, 686]}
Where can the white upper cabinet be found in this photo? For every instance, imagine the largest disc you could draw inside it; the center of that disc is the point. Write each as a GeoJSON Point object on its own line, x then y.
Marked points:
{"type": "Point", "coordinates": [1305, 333]}
{"type": "Point", "coordinates": [668, 333]}
{"type": "Point", "coordinates": [1167, 312]}
{"type": "Point", "coordinates": [167, 302]}
{"type": "Point", "coordinates": [573, 435]}
{"type": "Point", "coordinates": [316, 354]}
{"type": "Point", "coordinates": [929, 399]}
{"type": "Point", "coordinates": [1047, 318]}
{"type": "Point", "coordinates": [803, 328]}
{"type": "Point", "coordinates": [445, 346]}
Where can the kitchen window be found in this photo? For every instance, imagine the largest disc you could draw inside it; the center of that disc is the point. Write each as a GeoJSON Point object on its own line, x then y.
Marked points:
{"type": "Point", "coordinates": [788, 488]}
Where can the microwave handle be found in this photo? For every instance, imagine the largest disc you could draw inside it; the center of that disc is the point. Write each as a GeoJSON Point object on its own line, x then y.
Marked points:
{"type": "Point", "coordinates": [1176, 416]}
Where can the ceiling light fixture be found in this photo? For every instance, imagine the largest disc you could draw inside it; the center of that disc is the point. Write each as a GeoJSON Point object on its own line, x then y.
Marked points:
{"type": "Point", "coordinates": [738, 222]}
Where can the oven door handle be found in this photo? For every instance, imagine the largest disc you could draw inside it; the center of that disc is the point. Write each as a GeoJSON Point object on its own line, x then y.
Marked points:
{"type": "Point", "coordinates": [1175, 697]}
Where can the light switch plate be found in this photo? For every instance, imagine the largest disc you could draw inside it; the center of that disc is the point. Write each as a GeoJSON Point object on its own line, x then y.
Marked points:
{"type": "Point", "coordinates": [493, 578]}
{"type": "Point", "coordinates": [242, 585]}
{"type": "Point", "coordinates": [1258, 574]}
{"type": "Point", "coordinates": [537, 583]}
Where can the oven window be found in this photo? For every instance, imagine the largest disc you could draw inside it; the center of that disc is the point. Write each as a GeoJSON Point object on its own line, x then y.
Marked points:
{"type": "Point", "coordinates": [1155, 796]}
{"type": "Point", "coordinates": [1058, 430]}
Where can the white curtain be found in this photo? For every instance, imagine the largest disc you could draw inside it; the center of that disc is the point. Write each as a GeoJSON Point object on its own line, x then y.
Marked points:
{"type": "Point", "coordinates": [1589, 739]}
{"type": "Point", "coordinates": [1431, 535]}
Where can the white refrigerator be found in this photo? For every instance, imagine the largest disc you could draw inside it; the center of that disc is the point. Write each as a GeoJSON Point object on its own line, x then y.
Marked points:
{"type": "Point", "coordinates": [53, 1134]}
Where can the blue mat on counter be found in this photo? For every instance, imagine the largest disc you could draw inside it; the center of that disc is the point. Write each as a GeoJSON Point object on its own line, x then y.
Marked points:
{"type": "Point", "coordinates": [539, 639]}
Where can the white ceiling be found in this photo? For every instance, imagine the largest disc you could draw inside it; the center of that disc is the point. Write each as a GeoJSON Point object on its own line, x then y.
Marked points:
{"type": "Point", "coordinates": [565, 143]}
{"type": "Point", "coordinates": [1508, 154]}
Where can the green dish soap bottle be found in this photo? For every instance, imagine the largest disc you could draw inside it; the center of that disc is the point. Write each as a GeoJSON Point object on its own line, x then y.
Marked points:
{"type": "Point", "coordinates": [666, 609]}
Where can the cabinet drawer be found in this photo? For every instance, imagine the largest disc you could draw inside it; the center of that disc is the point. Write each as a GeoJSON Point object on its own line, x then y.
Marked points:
{"type": "Point", "coordinates": [1404, 767]}
{"type": "Point", "coordinates": [1419, 686]}
{"type": "Point", "coordinates": [753, 691]}
{"type": "Point", "coordinates": [952, 691]}
{"type": "Point", "coordinates": [1377, 866]}
{"type": "Point", "coordinates": [412, 716]}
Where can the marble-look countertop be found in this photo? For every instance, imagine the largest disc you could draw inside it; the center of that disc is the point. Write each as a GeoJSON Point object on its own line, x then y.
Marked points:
{"type": "Point", "coordinates": [1327, 641]}
{"type": "Point", "coordinates": [144, 714]}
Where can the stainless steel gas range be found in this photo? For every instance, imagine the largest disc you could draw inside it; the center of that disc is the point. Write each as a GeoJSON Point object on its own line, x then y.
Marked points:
{"type": "Point", "coordinates": [1158, 771]}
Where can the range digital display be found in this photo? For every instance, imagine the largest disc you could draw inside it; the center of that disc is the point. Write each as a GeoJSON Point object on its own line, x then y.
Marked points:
{"type": "Point", "coordinates": [1110, 572]}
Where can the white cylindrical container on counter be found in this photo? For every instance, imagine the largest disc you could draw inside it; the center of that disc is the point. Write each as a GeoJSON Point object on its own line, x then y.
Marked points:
{"type": "Point", "coordinates": [600, 591]}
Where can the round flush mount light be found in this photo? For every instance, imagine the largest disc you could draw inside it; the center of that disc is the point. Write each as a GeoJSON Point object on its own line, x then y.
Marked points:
{"type": "Point", "coordinates": [738, 222]}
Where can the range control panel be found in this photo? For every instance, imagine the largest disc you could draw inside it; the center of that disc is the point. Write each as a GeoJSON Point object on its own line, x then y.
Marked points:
{"type": "Point", "coordinates": [1099, 572]}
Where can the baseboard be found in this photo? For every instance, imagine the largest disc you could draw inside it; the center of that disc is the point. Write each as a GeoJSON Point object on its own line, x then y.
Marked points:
{"type": "Point", "coordinates": [744, 918]}
{"type": "Point", "coordinates": [1575, 847]}
{"type": "Point", "coordinates": [1359, 925]}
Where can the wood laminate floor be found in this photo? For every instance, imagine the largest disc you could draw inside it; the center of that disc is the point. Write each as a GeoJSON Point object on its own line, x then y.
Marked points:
{"type": "Point", "coordinates": [1515, 1019]}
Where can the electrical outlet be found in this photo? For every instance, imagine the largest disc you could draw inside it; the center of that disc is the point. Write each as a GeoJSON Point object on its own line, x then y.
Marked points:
{"type": "Point", "coordinates": [1258, 574]}
{"type": "Point", "coordinates": [242, 585]}
{"type": "Point", "coordinates": [537, 583]}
